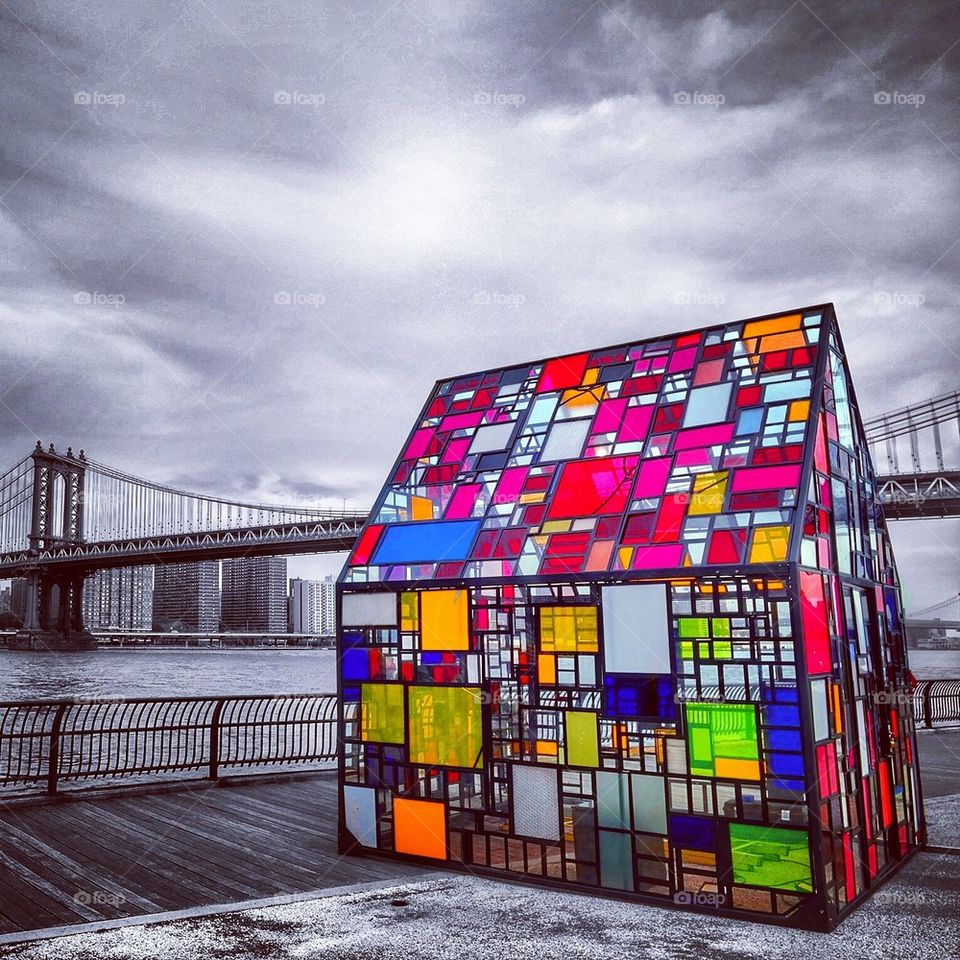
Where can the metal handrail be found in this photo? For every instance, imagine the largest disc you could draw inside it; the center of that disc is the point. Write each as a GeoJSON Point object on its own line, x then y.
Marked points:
{"type": "Point", "coordinates": [49, 743]}
{"type": "Point", "coordinates": [936, 701]}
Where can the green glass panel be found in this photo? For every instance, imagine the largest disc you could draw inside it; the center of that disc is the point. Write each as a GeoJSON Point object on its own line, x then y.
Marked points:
{"type": "Point", "coordinates": [381, 712]}
{"type": "Point", "coordinates": [613, 800]}
{"type": "Point", "coordinates": [616, 867]}
{"type": "Point", "coordinates": [649, 806]}
{"type": "Point", "coordinates": [686, 649]}
{"type": "Point", "coordinates": [770, 857]}
{"type": "Point", "coordinates": [722, 650]}
{"type": "Point", "coordinates": [725, 730]}
{"type": "Point", "coordinates": [694, 627]}
{"type": "Point", "coordinates": [583, 748]}
{"type": "Point", "coordinates": [721, 627]}
{"type": "Point", "coordinates": [446, 726]}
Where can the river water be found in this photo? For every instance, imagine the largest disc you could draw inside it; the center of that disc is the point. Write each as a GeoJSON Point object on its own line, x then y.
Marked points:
{"type": "Point", "coordinates": [165, 672]}
{"type": "Point", "coordinates": [169, 672]}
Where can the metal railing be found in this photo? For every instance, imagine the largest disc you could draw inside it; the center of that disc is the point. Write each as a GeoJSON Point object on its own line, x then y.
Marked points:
{"type": "Point", "coordinates": [47, 744]}
{"type": "Point", "coordinates": [936, 701]}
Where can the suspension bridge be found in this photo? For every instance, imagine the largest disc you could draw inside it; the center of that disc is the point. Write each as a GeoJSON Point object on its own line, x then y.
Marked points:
{"type": "Point", "coordinates": [63, 515]}
{"type": "Point", "coordinates": [917, 482]}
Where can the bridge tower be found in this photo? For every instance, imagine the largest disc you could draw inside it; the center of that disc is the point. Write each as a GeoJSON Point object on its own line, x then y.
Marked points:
{"type": "Point", "coordinates": [54, 613]}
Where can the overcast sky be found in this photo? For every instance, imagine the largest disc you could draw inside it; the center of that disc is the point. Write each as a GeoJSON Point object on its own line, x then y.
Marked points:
{"type": "Point", "coordinates": [240, 240]}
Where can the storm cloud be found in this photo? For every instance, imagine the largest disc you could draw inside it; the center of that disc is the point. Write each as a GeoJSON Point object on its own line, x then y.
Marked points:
{"type": "Point", "coordinates": [240, 240]}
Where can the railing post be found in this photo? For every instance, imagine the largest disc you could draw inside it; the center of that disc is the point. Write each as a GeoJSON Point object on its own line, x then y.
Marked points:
{"type": "Point", "coordinates": [53, 757]}
{"type": "Point", "coordinates": [215, 740]}
{"type": "Point", "coordinates": [928, 705]}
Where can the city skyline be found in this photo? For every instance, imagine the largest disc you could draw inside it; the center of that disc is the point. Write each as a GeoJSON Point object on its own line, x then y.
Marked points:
{"type": "Point", "coordinates": [330, 236]}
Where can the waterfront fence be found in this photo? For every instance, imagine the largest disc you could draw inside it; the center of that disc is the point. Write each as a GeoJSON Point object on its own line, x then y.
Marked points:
{"type": "Point", "coordinates": [52, 744]}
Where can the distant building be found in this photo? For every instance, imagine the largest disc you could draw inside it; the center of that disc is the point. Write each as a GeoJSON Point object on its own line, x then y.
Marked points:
{"type": "Point", "coordinates": [255, 594]}
{"type": "Point", "coordinates": [5, 600]}
{"type": "Point", "coordinates": [186, 596]}
{"type": "Point", "coordinates": [18, 596]}
{"type": "Point", "coordinates": [120, 598]}
{"type": "Point", "coordinates": [313, 606]}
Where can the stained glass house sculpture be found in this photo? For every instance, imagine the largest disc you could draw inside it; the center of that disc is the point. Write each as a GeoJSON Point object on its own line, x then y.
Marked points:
{"type": "Point", "coordinates": [628, 620]}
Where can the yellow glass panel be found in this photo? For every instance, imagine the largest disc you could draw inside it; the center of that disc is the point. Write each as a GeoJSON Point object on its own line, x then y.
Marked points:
{"type": "Point", "coordinates": [624, 555]}
{"type": "Point", "coordinates": [381, 712]}
{"type": "Point", "coordinates": [769, 544]}
{"type": "Point", "coordinates": [420, 828]}
{"type": "Point", "coordinates": [444, 618]}
{"type": "Point", "coordinates": [568, 630]}
{"type": "Point", "coordinates": [556, 526]}
{"type": "Point", "coordinates": [421, 508]}
{"type": "Point", "coordinates": [591, 376]}
{"type": "Point", "coordinates": [730, 769]}
{"type": "Point", "coordinates": [445, 726]}
{"type": "Point", "coordinates": [547, 668]}
{"type": "Point", "coordinates": [760, 328]}
{"type": "Point", "coordinates": [708, 493]}
{"type": "Point", "coordinates": [532, 497]}
{"type": "Point", "coordinates": [583, 746]}
{"type": "Point", "coordinates": [837, 708]}
{"type": "Point", "coordinates": [548, 748]}
{"type": "Point", "coordinates": [799, 410]}
{"type": "Point", "coordinates": [409, 611]}
{"type": "Point", "coordinates": [783, 341]}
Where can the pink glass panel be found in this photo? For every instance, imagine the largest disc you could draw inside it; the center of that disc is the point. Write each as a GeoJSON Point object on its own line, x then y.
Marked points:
{"type": "Point", "coordinates": [636, 423]}
{"type": "Point", "coordinates": [652, 480]}
{"type": "Point", "coordinates": [704, 436]}
{"type": "Point", "coordinates": [461, 504]}
{"type": "Point", "coordinates": [766, 478]}
{"type": "Point", "coordinates": [663, 555]}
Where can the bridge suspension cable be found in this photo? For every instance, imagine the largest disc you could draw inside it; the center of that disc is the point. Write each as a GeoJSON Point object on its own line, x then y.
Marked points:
{"type": "Point", "coordinates": [119, 505]}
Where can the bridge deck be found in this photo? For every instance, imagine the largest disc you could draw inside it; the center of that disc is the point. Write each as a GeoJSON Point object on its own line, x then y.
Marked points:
{"type": "Point", "coordinates": [100, 859]}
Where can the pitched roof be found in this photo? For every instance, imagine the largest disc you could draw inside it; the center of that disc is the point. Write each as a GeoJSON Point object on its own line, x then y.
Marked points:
{"type": "Point", "coordinates": [661, 455]}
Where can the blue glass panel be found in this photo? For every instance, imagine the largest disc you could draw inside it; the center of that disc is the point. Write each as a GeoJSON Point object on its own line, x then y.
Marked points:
{"type": "Point", "coordinates": [778, 716]}
{"type": "Point", "coordinates": [785, 739]}
{"type": "Point", "coordinates": [353, 638]}
{"type": "Point", "coordinates": [785, 764]}
{"type": "Point", "coordinates": [616, 860]}
{"type": "Point", "coordinates": [351, 694]}
{"type": "Point", "coordinates": [430, 542]}
{"type": "Point", "coordinates": [693, 833]}
{"type": "Point", "coordinates": [749, 421]}
{"type": "Point", "coordinates": [356, 664]}
{"type": "Point", "coordinates": [786, 390]}
{"type": "Point", "coordinates": [639, 695]}
{"type": "Point", "coordinates": [707, 405]}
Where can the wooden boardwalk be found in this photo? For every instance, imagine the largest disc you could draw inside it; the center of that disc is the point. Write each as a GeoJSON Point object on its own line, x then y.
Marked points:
{"type": "Point", "coordinates": [118, 856]}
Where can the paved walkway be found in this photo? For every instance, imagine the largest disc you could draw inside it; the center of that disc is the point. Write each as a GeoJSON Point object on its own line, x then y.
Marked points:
{"type": "Point", "coordinates": [88, 860]}
{"type": "Point", "coordinates": [125, 856]}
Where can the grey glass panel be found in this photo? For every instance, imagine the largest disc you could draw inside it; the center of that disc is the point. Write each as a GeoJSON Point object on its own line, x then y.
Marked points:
{"type": "Point", "coordinates": [636, 636]}
{"type": "Point", "coordinates": [536, 803]}
{"type": "Point", "coordinates": [565, 440]}
{"type": "Point", "coordinates": [707, 405]}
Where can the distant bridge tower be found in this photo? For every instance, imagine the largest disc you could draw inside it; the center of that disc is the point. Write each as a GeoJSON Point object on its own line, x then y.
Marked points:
{"type": "Point", "coordinates": [54, 614]}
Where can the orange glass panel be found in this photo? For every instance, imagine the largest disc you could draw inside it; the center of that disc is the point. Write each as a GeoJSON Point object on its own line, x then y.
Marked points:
{"type": "Point", "coordinates": [760, 328]}
{"type": "Point", "coordinates": [420, 828]}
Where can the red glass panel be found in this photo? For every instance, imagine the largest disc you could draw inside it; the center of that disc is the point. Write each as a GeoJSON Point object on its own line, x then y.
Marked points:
{"type": "Point", "coordinates": [591, 487]}
{"type": "Point", "coordinates": [813, 615]}
{"type": "Point", "coordinates": [562, 373]}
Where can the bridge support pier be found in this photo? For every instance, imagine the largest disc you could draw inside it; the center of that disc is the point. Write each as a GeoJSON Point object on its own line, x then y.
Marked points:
{"type": "Point", "coordinates": [54, 615]}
